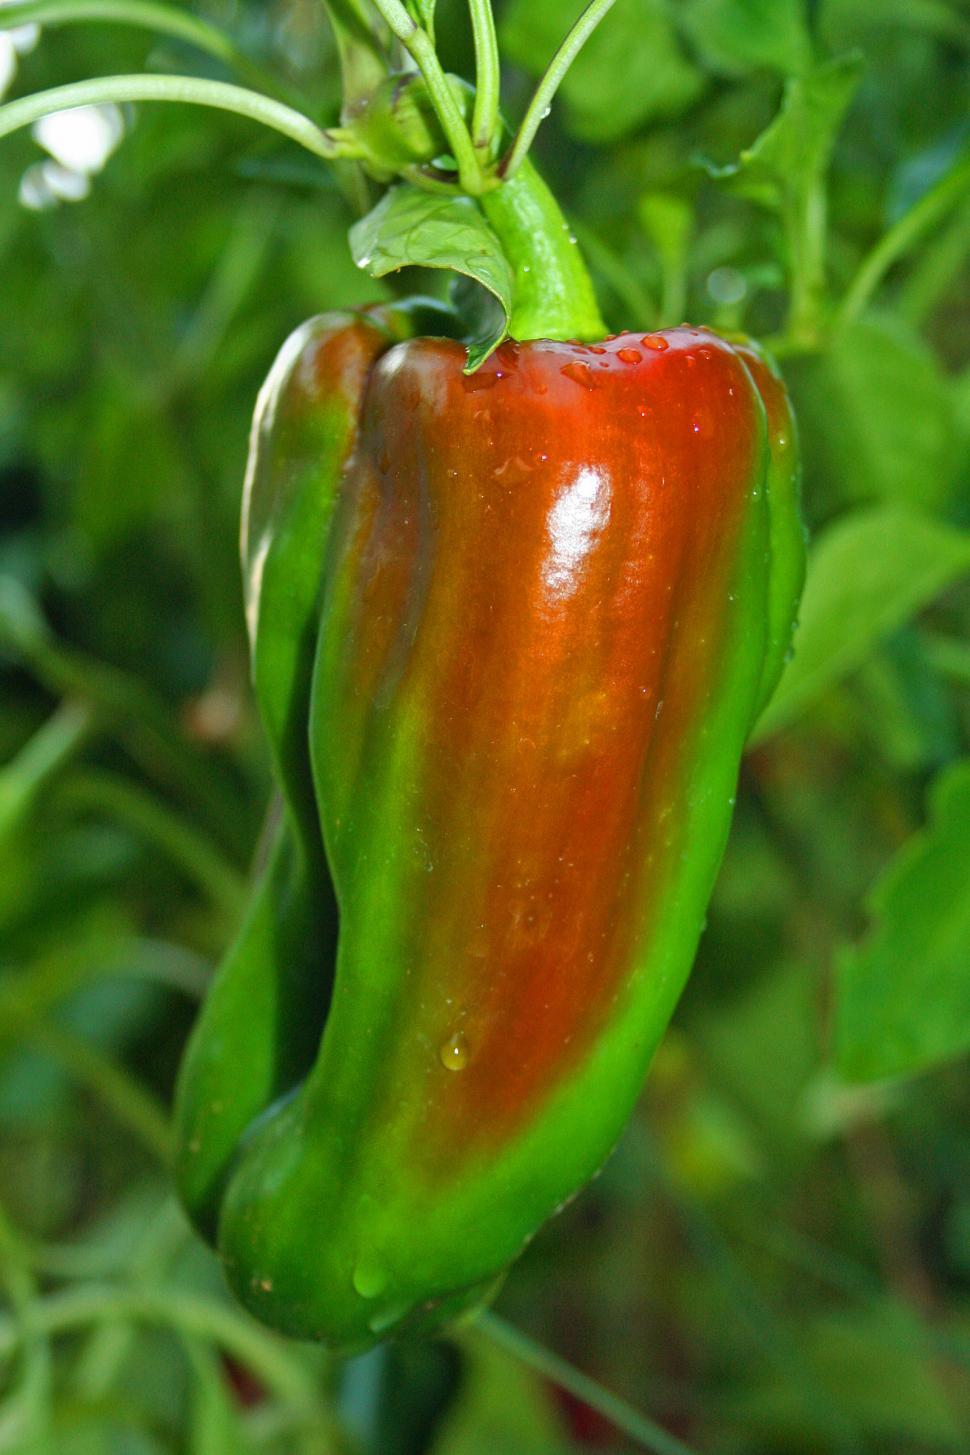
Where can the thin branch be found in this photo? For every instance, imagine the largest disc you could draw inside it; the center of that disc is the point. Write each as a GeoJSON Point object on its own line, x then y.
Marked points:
{"type": "Point", "coordinates": [487, 76]}
{"type": "Point", "coordinates": [620, 1414]}
{"type": "Point", "coordinates": [538, 108]}
{"type": "Point", "coordinates": [189, 90]}
{"type": "Point", "coordinates": [902, 236]}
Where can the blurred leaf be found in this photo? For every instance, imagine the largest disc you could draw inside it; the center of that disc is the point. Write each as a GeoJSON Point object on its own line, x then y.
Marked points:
{"type": "Point", "coordinates": [501, 1408]}
{"type": "Point", "coordinates": [844, 20]}
{"type": "Point", "coordinates": [631, 71]}
{"type": "Point", "coordinates": [904, 993]}
{"type": "Point", "coordinates": [878, 1367]}
{"type": "Point", "coordinates": [879, 419]}
{"type": "Point", "coordinates": [867, 574]}
{"type": "Point", "coordinates": [668, 221]}
{"type": "Point", "coordinates": [763, 1048]}
{"type": "Point", "coordinates": [793, 153]}
{"type": "Point", "coordinates": [739, 35]}
{"type": "Point", "coordinates": [215, 1427]}
{"type": "Point", "coordinates": [411, 228]}
{"type": "Point", "coordinates": [905, 707]}
{"type": "Point", "coordinates": [39, 761]}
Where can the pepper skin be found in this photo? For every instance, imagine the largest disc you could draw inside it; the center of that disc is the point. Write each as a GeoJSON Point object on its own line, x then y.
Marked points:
{"type": "Point", "coordinates": [550, 613]}
{"type": "Point", "coordinates": [259, 1030]}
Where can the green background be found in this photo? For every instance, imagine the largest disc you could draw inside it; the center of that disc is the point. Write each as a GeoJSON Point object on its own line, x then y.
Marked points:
{"type": "Point", "coordinates": [777, 1258]}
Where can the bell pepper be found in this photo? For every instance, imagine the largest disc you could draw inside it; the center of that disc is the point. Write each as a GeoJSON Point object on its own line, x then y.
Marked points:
{"type": "Point", "coordinates": [555, 593]}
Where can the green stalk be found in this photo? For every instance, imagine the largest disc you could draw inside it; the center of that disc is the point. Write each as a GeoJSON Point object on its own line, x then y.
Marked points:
{"type": "Point", "coordinates": [538, 108]}
{"type": "Point", "coordinates": [485, 118]}
{"type": "Point", "coordinates": [639, 1429]}
{"type": "Point", "coordinates": [40, 760]}
{"type": "Point", "coordinates": [553, 295]}
{"type": "Point", "coordinates": [946, 193]}
{"type": "Point", "coordinates": [189, 90]}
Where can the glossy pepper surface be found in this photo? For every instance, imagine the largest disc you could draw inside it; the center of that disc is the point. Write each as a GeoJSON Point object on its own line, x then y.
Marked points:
{"type": "Point", "coordinates": [544, 603]}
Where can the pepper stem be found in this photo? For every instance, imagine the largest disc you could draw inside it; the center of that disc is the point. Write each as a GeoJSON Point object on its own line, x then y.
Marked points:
{"type": "Point", "coordinates": [553, 295]}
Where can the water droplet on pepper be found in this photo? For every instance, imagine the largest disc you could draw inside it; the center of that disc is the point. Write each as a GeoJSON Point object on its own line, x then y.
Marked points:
{"type": "Point", "coordinates": [454, 1053]}
{"type": "Point", "coordinates": [580, 373]}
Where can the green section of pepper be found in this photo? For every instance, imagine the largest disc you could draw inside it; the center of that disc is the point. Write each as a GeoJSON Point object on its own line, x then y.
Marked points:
{"type": "Point", "coordinates": [259, 1030]}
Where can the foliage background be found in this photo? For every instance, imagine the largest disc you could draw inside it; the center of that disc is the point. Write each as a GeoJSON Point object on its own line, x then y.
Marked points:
{"type": "Point", "coordinates": [777, 1258]}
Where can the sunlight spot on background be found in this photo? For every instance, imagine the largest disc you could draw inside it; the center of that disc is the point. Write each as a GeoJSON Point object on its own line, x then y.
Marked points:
{"type": "Point", "coordinates": [79, 141]}
{"type": "Point", "coordinates": [83, 138]}
{"type": "Point", "coordinates": [47, 183]}
{"type": "Point", "coordinates": [13, 43]}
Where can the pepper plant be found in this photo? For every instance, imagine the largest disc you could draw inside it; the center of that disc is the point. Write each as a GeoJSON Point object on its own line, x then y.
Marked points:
{"type": "Point", "coordinates": [517, 592]}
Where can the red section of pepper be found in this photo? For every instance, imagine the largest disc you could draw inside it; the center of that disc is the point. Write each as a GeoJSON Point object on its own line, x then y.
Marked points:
{"type": "Point", "coordinates": [554, 631]}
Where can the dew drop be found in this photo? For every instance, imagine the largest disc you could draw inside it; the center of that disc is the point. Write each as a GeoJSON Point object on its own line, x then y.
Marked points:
{"type": "Point", "coordinates": [597, 349]}
{"type": "Point", "coordinates": [629, 356]}
{"type": "Point", "coordinates": [655, 341]}
{"type": "Point", "coordinates": [369, 1278]}
{"type": "Point", "coordinates": [479, 380]}
{"type": "Point", "coordinates": [580, 373]}
{"type": "Point", "coordinates": [453, 1054]}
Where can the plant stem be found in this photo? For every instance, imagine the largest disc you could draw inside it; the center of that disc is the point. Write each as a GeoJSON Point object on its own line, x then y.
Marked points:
{"type": "Point", "coordinates": [538, 107]}
{"type": "Point", "coordinates": [806, 227]}
{"type": "Point", "coordinates": [487, 77]}
{"type": "Point", "coordinates": [40, 760]}
{"type": "Point", "coordinates": [553, 295]}
{"type": "Point", "coordinates": [420, 48]}
{"type": "Point", "coordinates": [189, 90]}
{"type": "Point", "coordinates": [620, 1414]}
{"type": "Point", "coordinates": [902, 235]}
{"type": "Point", "coordinates": [148, 15]}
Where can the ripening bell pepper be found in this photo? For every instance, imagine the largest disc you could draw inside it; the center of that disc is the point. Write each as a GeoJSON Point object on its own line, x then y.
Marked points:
{"type": "Point", "coordinates": [510, 631]}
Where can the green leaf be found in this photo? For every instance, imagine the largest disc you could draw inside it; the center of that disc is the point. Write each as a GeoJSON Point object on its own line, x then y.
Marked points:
{"type": "Point", "coordinates": [631, 71]}
{"type": "Point", "coordinates": [735, 36]}
{"type": "Point", "coordinates": [904, 993]}
{"type": "Point", "coordinates": [410, 228]}
{"type": "Point", "coordinates": [879, 419]}
{"type": "Point", "coordinates": [867, 574]}
{"type": "Point", "coordinates": [793, 153]}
